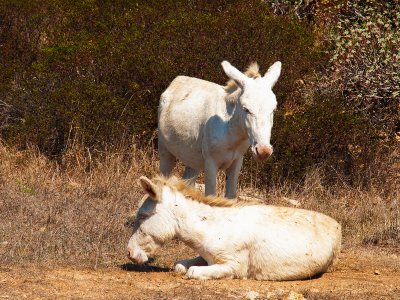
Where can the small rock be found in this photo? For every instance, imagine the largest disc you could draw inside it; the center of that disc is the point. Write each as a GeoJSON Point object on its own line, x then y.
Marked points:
{"type": "Point", "coordinates": [376, 272]}
{"type": "Point", "coordinates": [252, 295]}
{"type": "Point", "coordinates": [284, 295]}
{"type": "Point", "coordinates": [295, 296]}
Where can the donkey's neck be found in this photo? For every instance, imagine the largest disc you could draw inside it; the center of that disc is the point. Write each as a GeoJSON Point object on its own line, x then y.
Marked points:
{"type": "Point", "coordinates": [192, 221]}
{"type": "Point", "coordinates": [235, 125]}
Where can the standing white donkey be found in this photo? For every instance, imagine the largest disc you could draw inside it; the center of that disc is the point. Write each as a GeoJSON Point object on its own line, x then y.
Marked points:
{"type": "Point", "coordinates": [210, 127]}
{"type": "Point", "coordinates": [237, 240]}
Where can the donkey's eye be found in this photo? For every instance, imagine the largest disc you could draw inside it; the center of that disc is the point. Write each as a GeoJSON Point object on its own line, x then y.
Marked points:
{"type": "Point", "coordinates": [246, 110]}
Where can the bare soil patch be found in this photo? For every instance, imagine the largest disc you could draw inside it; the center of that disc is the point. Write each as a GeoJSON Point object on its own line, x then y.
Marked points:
{"type": "Point", "coordinates": [359, 274]}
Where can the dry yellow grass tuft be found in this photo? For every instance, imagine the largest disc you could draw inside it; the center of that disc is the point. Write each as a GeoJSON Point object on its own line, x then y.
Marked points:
{"type": "Point", "coordinates": [72, 212]}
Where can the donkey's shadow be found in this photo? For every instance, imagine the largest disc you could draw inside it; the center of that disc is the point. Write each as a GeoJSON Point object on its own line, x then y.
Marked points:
{"type": "Point", "coordinates": [130, 267]}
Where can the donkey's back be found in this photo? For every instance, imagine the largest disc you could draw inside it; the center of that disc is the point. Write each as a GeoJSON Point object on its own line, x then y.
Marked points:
{"type": "Point", "coordinates": [184, 88]}
{"type": "Point", "coordinates": [291, 243]}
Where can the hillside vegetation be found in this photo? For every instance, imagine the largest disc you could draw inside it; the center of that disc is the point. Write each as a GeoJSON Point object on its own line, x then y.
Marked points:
{"type": "Point", "coordinates": [79, 89]}
{"type": "Point", "coordinates": [93, 71]}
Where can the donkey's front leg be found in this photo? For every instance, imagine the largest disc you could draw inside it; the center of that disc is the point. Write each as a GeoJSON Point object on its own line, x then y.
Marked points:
{"type": "Point", "coordinates": [232, 175]}
{"type": "Point", "coordinates": [210, 272]}
{"type": "Point", "coordinates": [210, 174]}
{"type": "Point", "coordinates": [182, 266]}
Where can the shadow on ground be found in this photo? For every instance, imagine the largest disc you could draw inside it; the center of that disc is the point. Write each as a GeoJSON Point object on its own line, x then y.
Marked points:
{"type": "Point", "coordinates": [143, 268]}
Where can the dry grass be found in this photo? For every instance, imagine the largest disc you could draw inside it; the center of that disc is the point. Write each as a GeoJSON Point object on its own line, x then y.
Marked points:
{"type": "Point", "coordinates": [73, 212]}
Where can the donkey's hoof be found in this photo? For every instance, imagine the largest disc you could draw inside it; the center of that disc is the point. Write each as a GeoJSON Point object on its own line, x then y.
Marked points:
{"type": "Point", "coordinates": [196, 272]}
{"type": "Point", "coordinates": [179, 268]}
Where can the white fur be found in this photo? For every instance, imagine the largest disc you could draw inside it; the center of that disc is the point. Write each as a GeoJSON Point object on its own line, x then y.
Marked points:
{"type": "Point", "coordinates": [240, 241]}
{"type": "Point", "coordinates": [209, 127]}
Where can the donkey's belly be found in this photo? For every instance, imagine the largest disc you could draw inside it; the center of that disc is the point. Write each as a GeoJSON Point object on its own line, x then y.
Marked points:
{"type": "Point", "coordinates": [188, 155]}
{"type": "Point", "coordinates": [186, 148]}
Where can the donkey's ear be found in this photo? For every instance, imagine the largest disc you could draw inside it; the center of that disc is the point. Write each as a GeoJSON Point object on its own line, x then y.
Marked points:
{"type": "Point", "coordinates": [234, 73]}
{"type": "Point", "coordinates": [150, 188]}
{"type": "Point", "coordinates": [273, 73]}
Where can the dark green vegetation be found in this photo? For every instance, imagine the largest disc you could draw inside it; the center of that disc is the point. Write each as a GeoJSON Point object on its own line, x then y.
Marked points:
{"type": "Point", "coordinates": [92, 71]}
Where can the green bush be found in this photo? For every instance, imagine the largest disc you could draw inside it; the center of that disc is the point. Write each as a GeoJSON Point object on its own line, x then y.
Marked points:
{"type": "Point", "coordinates": [322, 135]}
{"type": "Point", "coordinates": [366, 62]}
{"type": "Point", "coordinates": [96, 69]}
{"type": "Point", "coordinates": [347, 117]}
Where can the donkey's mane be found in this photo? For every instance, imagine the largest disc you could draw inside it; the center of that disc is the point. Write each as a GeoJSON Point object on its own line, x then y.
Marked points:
{"type": "Point", "coordinates": [182, 187]}
{"type": "Point", "coordinates": [252, 71]}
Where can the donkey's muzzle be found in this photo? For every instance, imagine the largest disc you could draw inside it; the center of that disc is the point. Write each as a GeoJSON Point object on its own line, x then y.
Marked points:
{"type": "Point", "coordinates": [137, 257]}
{"type": "Point", "coordinates": [263, 152]}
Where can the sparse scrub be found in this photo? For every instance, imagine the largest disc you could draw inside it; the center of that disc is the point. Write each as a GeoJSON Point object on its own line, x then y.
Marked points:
{"type": "Point", "coordinates": [346, 118]}
{"type": "Point", "coordinates": [73, 213]}
{"type": "Point", "coordinates": [366, 62]}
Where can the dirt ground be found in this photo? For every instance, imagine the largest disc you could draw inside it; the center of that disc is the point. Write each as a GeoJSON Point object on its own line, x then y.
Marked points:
{"type": "Point", "coordinates": [359, 274]}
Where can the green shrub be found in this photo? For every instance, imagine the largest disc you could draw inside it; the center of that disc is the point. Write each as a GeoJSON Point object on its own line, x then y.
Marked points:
{"type": "Point", "coordinates": [324, 135]}
{"type": "Point", "coordinates": [366, 62]}
{"type": "Point", "coordinates": [96, 69]}
{"type": "Point", "coordinates": [348, 113]}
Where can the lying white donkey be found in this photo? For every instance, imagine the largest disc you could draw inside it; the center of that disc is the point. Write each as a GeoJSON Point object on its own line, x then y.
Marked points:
{"type": "Point", "coordinates": [237, 240]}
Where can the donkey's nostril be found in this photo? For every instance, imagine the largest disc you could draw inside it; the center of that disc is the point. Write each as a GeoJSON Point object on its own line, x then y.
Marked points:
{"type": "Point", "coordinates": [130, 253]}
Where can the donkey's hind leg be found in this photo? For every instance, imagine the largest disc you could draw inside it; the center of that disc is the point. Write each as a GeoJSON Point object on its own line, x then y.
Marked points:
{"type": "Point", "coordinates": [190, 175]}
{"type": "Point", "coordinates": [182, 266]}
{"type": "Point", "coordinates": [167, 160]}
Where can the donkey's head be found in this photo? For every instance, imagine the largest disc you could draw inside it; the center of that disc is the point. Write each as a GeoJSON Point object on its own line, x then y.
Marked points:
{"type": "Point", "coordinates": [152, 226]}
{"type": "Point", "coordinates": [257, 105]}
